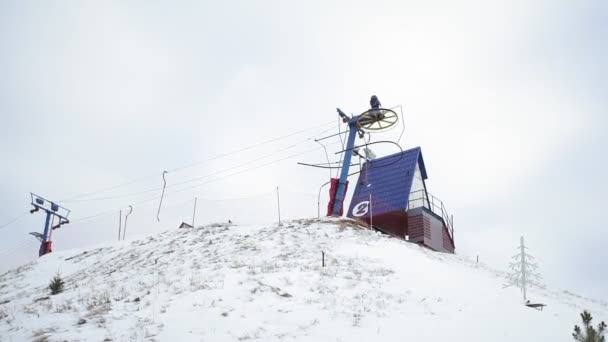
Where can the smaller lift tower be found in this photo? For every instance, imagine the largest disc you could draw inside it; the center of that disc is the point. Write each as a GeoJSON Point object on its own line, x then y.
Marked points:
{"type": "Point", "coordinates": [53, 211]}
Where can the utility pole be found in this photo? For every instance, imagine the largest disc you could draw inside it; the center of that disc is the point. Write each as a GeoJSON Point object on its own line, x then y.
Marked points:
{"type": "Point", "coordinates": [119, 223]}
{"type": "Point", "coordinates": [124, 230]}
{"type": "Point", "coordinates": [194, 212]}
{"type": "Point", "coordinates": [161, 196]}
{"type": "Point", "coordinates": [319, 199]}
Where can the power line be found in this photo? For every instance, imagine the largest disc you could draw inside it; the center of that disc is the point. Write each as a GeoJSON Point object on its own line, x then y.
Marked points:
{"type": "Point", "coordinates": [299, 192]}
{"type": "Point", "coordinates": [14, 220]}
{"type": "Point", "coordinates": [249, 169]}
{"type": "Point", "coordinates": [77, 221]}
{"type": "Point", "coordinates": [73, 198]}
{"type": "Point", "coordinates": [230, 175]}
{"type": "Point", "coordinates": [12, 250]}
{"type": "Point", "coordinates": [201, 177]}
{"type": "Point", "coordinates": [252, 146]}
{"type": "Point", "coordinates": [105, 213]}
{"type": "Point", "coordinates": [251, 161]}
{"type": "Point", "coordinates": [88, 218]}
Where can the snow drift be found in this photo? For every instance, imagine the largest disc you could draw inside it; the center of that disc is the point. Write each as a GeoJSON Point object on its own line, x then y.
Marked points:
{"type": "Point", "coordinates": [266, 283]}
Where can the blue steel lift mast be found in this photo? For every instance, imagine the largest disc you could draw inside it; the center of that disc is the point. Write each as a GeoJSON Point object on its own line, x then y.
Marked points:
{"type": "Point", "coordinates": [348, 154]}
{"type": "Point", "coordinates": [370, 120]}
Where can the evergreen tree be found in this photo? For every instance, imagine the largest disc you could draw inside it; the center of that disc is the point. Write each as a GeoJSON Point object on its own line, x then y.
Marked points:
{"type": "Point", "coordinates": [56, 285]}
{"type": "Point", "coordinates": [589, 333]}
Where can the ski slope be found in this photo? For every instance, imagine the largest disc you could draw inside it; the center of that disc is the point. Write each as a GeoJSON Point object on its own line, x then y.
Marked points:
{"type": "Point", "coordinates": [266, 283]}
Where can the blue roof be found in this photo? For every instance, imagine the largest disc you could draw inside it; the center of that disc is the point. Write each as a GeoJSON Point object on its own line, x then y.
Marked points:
{"type": "Point", "coordinates": [388, 180]}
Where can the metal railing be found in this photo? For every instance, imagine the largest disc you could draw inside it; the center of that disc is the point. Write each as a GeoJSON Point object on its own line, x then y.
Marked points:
{"type": "Point", "coordinates": [421, 198]}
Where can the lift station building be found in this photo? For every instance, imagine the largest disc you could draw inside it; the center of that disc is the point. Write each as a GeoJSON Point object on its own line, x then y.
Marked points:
{"type": "Point", "coordinates": [391, 192]}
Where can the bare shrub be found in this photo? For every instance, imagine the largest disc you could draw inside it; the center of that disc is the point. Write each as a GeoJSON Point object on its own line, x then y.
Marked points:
{"type": "Point", "coordinates": [66, 306]}
{"type": "Point", "coordinates": [121, 294]}
{"type": "Point", "coordinates": [41, 335]}
{"type": "Point", "coordinates": [197, 283]}
{"type": "Point", "coordinates": [99, 300]}
{"type": "Point", "coordinates": [30, 310]}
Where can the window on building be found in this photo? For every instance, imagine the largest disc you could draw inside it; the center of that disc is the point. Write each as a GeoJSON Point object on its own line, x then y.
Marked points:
{"type": "Point", "coordinates": [418, 196]}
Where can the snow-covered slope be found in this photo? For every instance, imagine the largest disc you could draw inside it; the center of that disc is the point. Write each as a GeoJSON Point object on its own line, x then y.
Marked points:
{"type": "Point", "coordinates": [266, 283]}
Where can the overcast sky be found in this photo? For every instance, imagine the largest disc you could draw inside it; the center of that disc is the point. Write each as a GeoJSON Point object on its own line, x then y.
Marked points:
{"type": "Point", "coordinates": [507, 100]}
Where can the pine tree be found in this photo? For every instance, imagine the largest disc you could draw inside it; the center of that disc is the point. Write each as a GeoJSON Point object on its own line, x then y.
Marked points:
{"type": "Point", "coordinates": [56, 285]}
{"type": "Point", "coordinates": [524, 270]}
{"type": "Point", "coordinates": [588, 333]}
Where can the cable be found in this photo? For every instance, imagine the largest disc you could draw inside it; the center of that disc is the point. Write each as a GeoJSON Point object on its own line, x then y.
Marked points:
{"type": "Point", "coordinates": [105, 213]}
{"type": "Point", "coordinates": [88, 218]}
{"type": "Point", "coordinates": [322, 165]}
{"type": "Point", "coordinates": [267, 193]}
{"type": "Point", "coordinates": [78, 221]}
{"type": "Point", "coordinates": [73, 198]}
{"type": "Point", "coordinates": [253, 146]}
{"type": "Point", "coordinates": [14, 249]}
{"type": "Point", "coordinates": [250, 161]}
{"type": "Point", "coordinates": [216, 179]}
{"type": "Point", "coordinates": [14, 220]}
{"type": "Point", "coordinates": [402, 121]}
{"type": "Point", "coordinates": [342, 142]}
{"type": "Point", "coordinates": [201, 177]}
{"type": "Point", "coordinates": [326, 155]}
{"type": "Point", "coordinates": [113, 212]}
{"type": "Point", "coordinates": [298, 192]}
{"type": "Point", "coordinates": [246, 170]}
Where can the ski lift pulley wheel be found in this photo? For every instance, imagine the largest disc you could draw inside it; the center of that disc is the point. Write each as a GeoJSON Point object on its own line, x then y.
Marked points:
{"type": "Point", "coordinates": [377, 119]}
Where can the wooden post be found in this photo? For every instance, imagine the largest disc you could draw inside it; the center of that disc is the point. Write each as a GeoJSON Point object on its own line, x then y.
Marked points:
{"type": "Point", "coordinates": [322, 259]}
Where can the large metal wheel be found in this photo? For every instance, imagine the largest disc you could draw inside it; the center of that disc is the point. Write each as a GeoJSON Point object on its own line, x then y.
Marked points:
{"type": "Point", "coordinates": [377, 119]}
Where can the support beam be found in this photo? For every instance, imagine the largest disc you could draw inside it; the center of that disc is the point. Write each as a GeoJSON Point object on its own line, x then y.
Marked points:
{"type": "Point", "coordinates": [44, 245]}
{"type": "Point", "coordinates": [348, 153]}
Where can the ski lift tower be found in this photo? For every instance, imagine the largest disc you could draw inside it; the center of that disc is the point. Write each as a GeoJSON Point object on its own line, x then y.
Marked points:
{"type": "Point", "coordinates": [372, 120]}
{"type": "Point", "coordinates": [52, 210]}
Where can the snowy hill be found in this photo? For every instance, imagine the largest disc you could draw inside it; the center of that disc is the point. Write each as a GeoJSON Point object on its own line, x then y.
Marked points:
{"type": "Point", "coordinates": [266, 283]}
